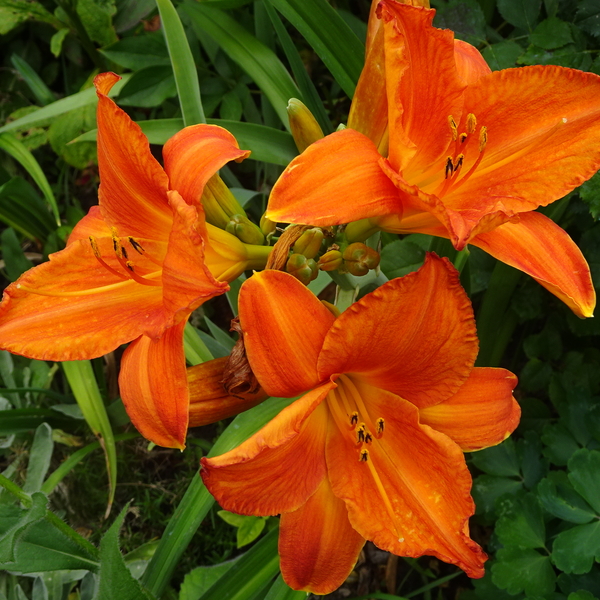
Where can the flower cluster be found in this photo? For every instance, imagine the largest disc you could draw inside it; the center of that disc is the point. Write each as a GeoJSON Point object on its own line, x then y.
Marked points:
{"type": "Point", "coordinates": [386, 397]}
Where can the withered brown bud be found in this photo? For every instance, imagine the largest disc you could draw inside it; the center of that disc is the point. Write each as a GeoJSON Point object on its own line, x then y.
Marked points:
{"type": "Point", "coordinates": [281, 250]}
{"type": "Point", "coordinates": [238, 377]}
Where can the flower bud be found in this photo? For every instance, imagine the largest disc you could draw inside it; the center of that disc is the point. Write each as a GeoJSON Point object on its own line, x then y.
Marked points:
{"type": "Point", "coordinates": [302, 268]}
{"type": "Point", "coordinates": [331, 261]}
{"type": "Point", "coordinates": [245, 230]}
{"type": "Point", "coordinates": [219, 203]}
{"type": "Point", "coordinates": [267, 226]}
{"type": "Point", "coordinates": [359, 259]}
{"type": "Point", "coordinates": [309, 242]}
{"type": "Point", "coordinates": [304, 126]}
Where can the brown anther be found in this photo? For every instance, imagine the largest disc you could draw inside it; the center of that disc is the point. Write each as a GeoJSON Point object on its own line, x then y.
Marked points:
{"type": "Point", "coordinates": [364, 456]}
{"type": "Point", "coordinates": [136, 245]}
{"type": "Point", "coordinates": [380, 425]}
{"type": "Point", "coordinates": [368, 438]}
{"type": "Point", "coordinates": [354, 418]}
{"type": "Point", "coordinates": [449, 167]}
{"type": "Point", "coordinates": [482, 138]}
{"type": "Point", "coordinates": [471, 123]}
{"type": "Point", "coordinates": [360, 434]}
{"type": "Point", "coordinates": [463, 137]}
{"type": "Point", "coordinates": [124, 252]}
{"type": "Point", "coordinates": [453, 127]}
{"type": "Point", "coordinates": [459, 161]}
{"type": "Point", "coordinates": [94, 245]}
{"type": "Point", "coordinates": [129, 265]}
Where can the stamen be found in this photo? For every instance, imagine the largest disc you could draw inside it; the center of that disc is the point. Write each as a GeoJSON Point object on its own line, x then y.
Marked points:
{"type": "Point", "coordinates": [368, 438]}
{"type": "Point", "coordinates": [354, 419]}
{"type": "Point", "coordinates": [90, 292]}
{"type": "Point", "coordinates": [335, 406]}
{"type": "Point", "coordinates": [471, 123]}
{"type": "Point", "coordinates": [96, 250]}
{"type": "Point", "coordinates": [138, 278]}
{"type": "Point", "coordinates": [453, 127]}
{"type": "Point", "coordinates": [360, 434]}
{"type": "Point", "coordinates": [124, 252]}
{"type": "Point", "coordinates": [356, 397]}
{"type": "Point", "coordinates": [363, 456]}
{"type": "Point", "coordinates": [482, 138]}
{"type": "Point", "coordinates": [449, 167]}
{"type": "Point", "coordinates": [380, 426]}
{"type": "Point", "coordinates": [463, 137]}
{"type": "Point", "coordinates": [136, 245]}
{"type": "Point", "coordinates": [459, 162]}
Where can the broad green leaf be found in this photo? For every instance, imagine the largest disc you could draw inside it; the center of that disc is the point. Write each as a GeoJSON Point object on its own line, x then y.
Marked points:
{"type": "Point", "coordinates": [588, 16]}
{"type": "Point", "coordinates": [520, 14]}
{"type": "Point", "coordinates": [280, 590]}
{"type": "Point", "coordinates": [256, 59]}
{"type": "Point", "coordinates": [575, 550]}
{"type": "Point", "coordinates": [39, 458]}
{"type": "Point", "coordinates": [584, 474]}
{"type": "Point", "coordinates": [196, 582]}
{"type": "Point", "coordinates": [500, 460]}
{"type": "Point", "coordinates": [96, 17]}
{"type": "Point", "coordinates": [401, 257]}
{"type": "Point", "coordinates": [581, 595]}
{"type": "Point", "coordinates": [15, 524]}
{"type": "Point", "coordinates": [40, 90]}
{"type": "Point", "coordinates": [589, 192]}
{"type": "Point", "coordinates": [65, 129]}
{"type": "Point", "coordinates": [559, 444]}
{"type": "Point", "coordinates": [523, 570]}
{"type": "Point", "coordinates": [502, 55]}
{"type": "Point", "coordinates": [10, 144]}
{"type": "Point", "coordinates": [249, 530]}
{"type": "Point", "coordinates": [115, 579]}
{"type": "Point", "coordinates": [14, 12]}
{"type": "Point", "coordinates": [521, 522]}
{"type": "Point", "coordinates": [329, 35]}
{"type": "Point", "coordinates": [26, 419]}
{"type": "Point", "coordinates": [56, 41]}
{"type": "Point", "coordinates": [182, 61]}
{"type": "Point", "coordinates": [487, 489]}
{"type": "Point", "coordinates": [560, 499]}
{"type": "Point", "coordinates": [15, 261]}
{"type": "Point", "coordinates": [250, 573]}
{"type": "Point", "coordinates": [85, 389]}
{"type": "Point", "coordinates": [465, 18]}
{"type": "Point", "coordinates": [140, 51]}
{"type": "Point", "coordinates": [197, 501]}
{"type": "Point", "coordinates": [60, 107]}
{"type": "Point", "coordinates": [131, 12]}
{"type": "Point", "coordinates": [552, 33]}
{"type": "Point", "coordinates": [149, 87]}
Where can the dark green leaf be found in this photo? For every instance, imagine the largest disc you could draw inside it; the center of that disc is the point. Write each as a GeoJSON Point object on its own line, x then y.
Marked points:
{"type": "Point", "coordinates": [523, 570]}
{"type": "Point", "coordinates": [502, 55]}
{"type": "Point", "coordinates": [96, 16]}
{"type": "Point", "coordinates": [521, 522]}
{"type": "Point", "coordinates": [582, 595]}
{"type": "Point", "coordinates": [588, 16]}
{"type": "Point", "coordinates": [574, 550]}
{"type": "Point", "coordinates": [139, 52]}
{"type": "Point", "coordinates": [535, 376]}
{"type": "Point", "coordinates": [131, 12]}
{"type": "Point", "coordinates": [584, 475]}
{"type": "Point", "coordinates": [465, 18]}
{"type": "Point", "coordinates": [589, 192]}
{"type": "Point", "coordinates": [36, 84]}
{"type": "Point", "coordinates": [66, 128]}
{"type": "Point", "coordinates": [560, 444]}
{"type": "Point", "coordinates": [552, 33]}
{"type": "Point", "coordinates": [500, 460]}
{"type": "Point", "coordinates": [560, 499]}
{"type": "Point", "coordinates": [16, 523]}
{"type": "Point", "coordinates": [487, 489]}
{"type": "Point", "coordinates": [519, 13]}
{"type": "Point", "coordinates": [149, 87]}
{"type": "Point", "coordinates": [401, 257]}
{"type": "Point", "coordinates": [15, 261]}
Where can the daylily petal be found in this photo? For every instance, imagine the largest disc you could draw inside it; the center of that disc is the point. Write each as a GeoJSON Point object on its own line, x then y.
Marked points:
{"type": "Point", "coordinates": [187, 280]}
{"type": "Point", "coordinates": [317, 544]}
{"type": "Point", "coordinates": [540, 146]}
{"type": "Point", "coordinates": [284, 327]}
{"type": "Point", "coordinates": [73, 308]}
{"type": "Point", "coordinates": [92, 224]}
{"type": "Point", "coordinates": [414, 336]}
{"type": "Point", "coordinates": [195, 154]}
{"type": "Point", "coordinates": [278, 468]}
{"type": "Point", "coordinates": [209, 402]}
{"type": "Point", "coordinates": [133, 185]}
{"type": "Point", "coordinates": [419, 62]}
{"type": "Point", "coordinates": [153, 384]}
{"type": "Point", "coordinates": [482, 413]}
{"type": "Point", "coordinates": [539, 247]}
{"type": "Point", "coordinates": [411, 495]}
{"type": "Point", "coordinates": [470, 65]}
{"type": "Point", "coordinates": [335, 180]}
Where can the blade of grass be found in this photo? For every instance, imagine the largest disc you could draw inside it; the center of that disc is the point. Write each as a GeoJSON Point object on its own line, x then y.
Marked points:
{"type": "Point", "coordinates": [255, 58]}
{"type": "Point", "coordinates": [11, 145]}
{"type": "Point", "coordinates": [197, 501]}
{"type": "Point", "coordinates": [80, 375]}
{"type": "Point", "coordinates": [280, 590]}
{"type": "Point", "coordinates": [196, 351]}
{"type": "Point", "coordinates": [310, 96]}
{"type": "Point", "coordinates": [184, 69]}
{"type": "Point", "coordinates": [43, 94]}
{"type": "Point", "coordinates": [329, 35]}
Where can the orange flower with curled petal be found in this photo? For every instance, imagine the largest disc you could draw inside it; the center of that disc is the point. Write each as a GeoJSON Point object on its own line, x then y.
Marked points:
{"type": "Point", "coordinates": [469, 154]}
{"type": "Point", "coordinates": [374, 449]}
{"type": "Point", "coordinates": [134, 268]}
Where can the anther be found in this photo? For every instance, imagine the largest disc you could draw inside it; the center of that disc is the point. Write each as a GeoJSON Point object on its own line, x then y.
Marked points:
{"type": "Point", "coordinates": [354, 418]}
{"type": "Point", "coordinates": [364, 456]}
{"type": "Point", "coordinates": [449, 167]}
{"type": "Point", "coordinates": [463, 137]}
{"type": "Point", "coordinates": [368, 438]}
{"type": "Point", "coordinates": [471, 123]}
{"type": "Point", "coordinates": [453, 127]}
{"type": "Point", "coordinates": [136, 245]}
{"type": "Point", "coordinates": [459, 161]}
{"type": "Point", "coordinates": [482, 138]}
{"type": "Point", "coordinates": [124, 252]}
{"type": "Point", "coordinates": [360, 434]}
{"type": "Point", "coordinates": [380, 426]}
{"type": "Point", "coordinates": [94, 246]}
{"type": "Point", "coordinates": [129, 265]}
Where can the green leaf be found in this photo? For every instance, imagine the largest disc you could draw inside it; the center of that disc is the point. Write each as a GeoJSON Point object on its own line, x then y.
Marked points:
{"type": "Point", "coordinates": [521, 522]}
{"type": "Point", "coordinates": [96, 17]}
{"type": "Point", "coordinates": [131, 12]}
{"type": "Point", "coordinates": [575, 550]}
{"type": "Point", "coordinates": [552, 33]}
{"type": "Point", "coordinates": [149, 87]}
{"type": "Point", "coordinates": [329, 35]}
{"type": "Point", "coordinates": [589, 192]}
{"type": "Point", "coordinates": [68, 127]}
{"type": "Point", "coordinates": [487, 489]}
{"type": "Point", "coordinates": [560, 499]}
{"type": "Point", "coordinates": [255, 58]}
{"type": "Point", "coordinates": [39, 458]}
{"type": "Point", "coordinates": [581, 595]}
{"type": "Point", "coordinates": [56, 41]}
{"type": "Point", "coordinates": [115, 579]}
{"type": "Point", "coordinates": [139, 51]}
{"type": "Point", "coordinates": [15, 261]}
{"type": "Point", "coordinates": [223, 338]}
{"type": "Point", "coordinates": [560, 444]}
{"type": "Point", "coordinates": [182, 61]}
{"type": "Point", "coordinates": [588, 16]}
{"type": "Point", "coordinates": [401, 257]}
{"type": "Point", "coordinates": [12, 146]}
{"type": "Point", "coordinates": [523, 570]}
{"type": "Point", "coordinates": [250, 573]}
{"type": "Point", "coordinates": [16, 523]}
{"type": "Point", "coordinates": [249, 530]}
{"type": "Point", "coordinates": [465, 18]}
{"type": "Point", "coordinates": [584, 475]}
{"type": "Point", "coordinates": [280, 590]}
{"type": "Point", "coordinates": [520, 14]}
{"type": "Point", "coordinates": [26, 419]}
{"type": "Point", "coordinates": [196, 582]}
{"type": "Point", "coordinates": [40, 90]}
{"type": "Point", "coordinates": [500, 460]}
{"type": "Point", "coordinates": [14, 12]}
{"type": "Point", "coordinates": [85, 388]}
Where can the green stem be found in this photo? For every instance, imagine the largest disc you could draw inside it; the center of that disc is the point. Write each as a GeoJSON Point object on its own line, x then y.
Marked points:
{"type": "Point", "coordinates": [257, 256]}
{"type": "Point", "coordinates": [359, 231]}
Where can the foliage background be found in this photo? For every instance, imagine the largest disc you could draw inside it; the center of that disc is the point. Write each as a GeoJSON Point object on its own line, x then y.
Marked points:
{"type": "Point", "coordinates": [537, 494]}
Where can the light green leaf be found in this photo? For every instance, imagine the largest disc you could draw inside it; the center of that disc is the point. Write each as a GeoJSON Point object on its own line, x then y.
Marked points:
{"type": "Point", "coordinates": [56, 41]}
{"type": "Point", "coordinates": [39, 458]}
{"type": "Point", "coordinates": [96, 17]}
{"type": "Point", "coordinates": [196, 582]}
{"type": "Point", "coordinates": [256, 59]}
{"type": "Point", "coordinates": [65, 129]}
{"type": "Point", "coordinates": [13, 12]}
{"type": "Point", "coordinates": [281, 591]}
{"type": "Point", "coordinates": [40, 90]}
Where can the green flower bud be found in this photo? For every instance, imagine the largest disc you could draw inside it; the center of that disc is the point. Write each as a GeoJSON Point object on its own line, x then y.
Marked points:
{"type": "Point", "coordinates": [304, 126]}
{"type": "Point", "coordinates": [359, 259]}
{"type": "Point", "coordinates": [219, 203]}
{"type": "Point", "coordinates": [309, 243]}
{"type": "Point", "coordinates": [302, 268]}
{"type": "Point", "coordinates": [331, 261]}
{"type": "Point", "coordinates": [267, 226]}
{"type": "Point", "coordinates": [245, 230]}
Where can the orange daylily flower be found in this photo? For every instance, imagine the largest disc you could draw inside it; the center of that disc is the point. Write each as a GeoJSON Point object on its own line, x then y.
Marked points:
{"type": "Point", "coordinates": [436, 143]}
{"type": "Point", "coordinates": [134, 268]}
{"type": "Point", "coordinates": [374, 449]}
